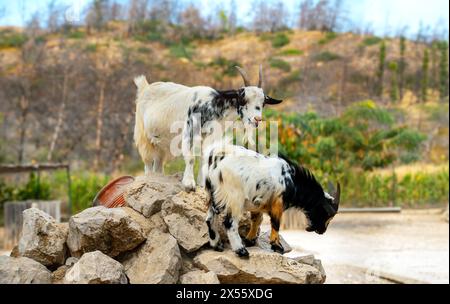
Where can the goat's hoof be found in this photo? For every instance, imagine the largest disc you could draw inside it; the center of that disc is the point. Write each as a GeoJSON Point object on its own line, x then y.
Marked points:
{"type": "Point", "coordinates": [250, 243]}
{"type": "Point", "coordinates": [277, 248]}
{"type": "Point", "coordinates": [189, 186]}
{"type": "Point", "coordinates": [219, 247]}
{"type": "Point", "coordinates": [242, 252]}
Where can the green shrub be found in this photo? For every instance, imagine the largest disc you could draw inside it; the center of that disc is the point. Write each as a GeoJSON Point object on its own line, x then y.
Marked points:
{"type": "Point", "coordinates": [10, 38]}
{"type": "Point", "coordinates": [91, 48]}
{"type": "Point", "coordinates": [293, 77]}
{"type": "Point", "coordinates": [327, 56]}
{"type": "Point", "coordinates": [181, 50]}
{"type": "Point", "coordinates": [280, 64]}
{"type": "Point", "coordinates": [227, 65]}
{"type": "Point", "coordinates": [144, 50]}
{"type": "Point", "coordinates": [291, 52]}
{"type": "Point", "coordinates": [76, 35]}
{"type": "Point", "coordinates": [329, 36]}
{"type": "Point", "coordinates": [85, 186]}
{"type": "Point", "coordinates": [371, 40]}
{"type": "Point", "coordinates": [280, 40]}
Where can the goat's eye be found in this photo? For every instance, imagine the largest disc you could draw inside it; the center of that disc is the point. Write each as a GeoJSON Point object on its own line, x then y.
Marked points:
{"type": "Point", "coordinates": [258, 108]}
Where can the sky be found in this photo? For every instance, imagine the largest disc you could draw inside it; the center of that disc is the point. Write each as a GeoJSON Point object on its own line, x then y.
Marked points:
{"type": "Point", "coordinates": [384, 16]}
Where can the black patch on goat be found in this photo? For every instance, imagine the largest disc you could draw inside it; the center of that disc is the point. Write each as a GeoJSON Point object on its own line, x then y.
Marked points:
{"type": "Point", "coordinates": [217, 106]}
{"type": "Point", "coordinates": [211, 232]}
{"type": "Point", "coordinates": [303, 191]}
{"type": "Point", "coordinates": [210, 160]}
{"type": "Point", "coordinates": [228, 221]}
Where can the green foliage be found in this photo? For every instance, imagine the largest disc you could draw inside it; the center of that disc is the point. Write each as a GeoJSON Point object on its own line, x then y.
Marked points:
{"type": "Point", "coordinates": [144, 50]}
{"type": "Point", "coordinates": [394, 91]}
{"type": "Point", "coordinates": [424, 78]}
{"type": "Point", "coordinates": [181, 50]}
{"type": "Point", "coordinates": [91, 48]}
{"type": "Point", "coordinates": [327, 56]}
{"type": "Point", "coordinates": [280, 40]}
{"type": "Point", "coordinates": [380, 70]}
{"type": "Point", "coordinates": [291, 52]}
{"type": "Point", "coordinates": [293, 77]}
{"type": "Point", "coordinates": [329, 36]}
{"type": "Point", "coordinates": [227, 66]}
{"type": "Point", "coordinates": [34, 188]}
{"type": "Point", "coordinates": [85, 186]}
{"type": "Point", "coordinates": [402, 65]}
{"type": "Point", "coordinates": [10, 38]}
{"type": "Point", "coordinates": [369, 41]}
{"type": "Point", "coordinates": [443, 70]}
{"type": "Point", "coordinates": [363, 136]}
{"type": "Point", "coordinates": [280, 64]}
{"type": "Point", "coordinates": [361, 189]}
{"type": "Point", "coordinates": [76, 35]}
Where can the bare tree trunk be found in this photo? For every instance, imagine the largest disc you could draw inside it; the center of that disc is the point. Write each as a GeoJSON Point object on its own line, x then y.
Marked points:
{"type": "Point", "coordinates": [98, 139]}
{"type": "Point", "coordinates": [23, 104]}
{"type": "Point", "coordinates": [119, 147]}
{"type": "Point", "coordinates": [60, 119]}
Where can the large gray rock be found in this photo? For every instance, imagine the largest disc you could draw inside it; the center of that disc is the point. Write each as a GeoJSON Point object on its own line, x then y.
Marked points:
{"type": "Point", "coordinates": [157, 261]}
{"type": "Point", "coordinates": [199, 277]}
{"type": "Point", "coordinates": [110, 230]}
{"type": "Point", "coordinates": [147, 193]}
{"type": "Point", "coordinates": [262, 267]}
{"type": "Point", "coordinates": [184, 215]}
{"type": "Point", "coordinates": [23, 270]}
{"type": "Point", "coordinates": [43, 240]}
{"type": "Point", "coordinates": [96, 268]}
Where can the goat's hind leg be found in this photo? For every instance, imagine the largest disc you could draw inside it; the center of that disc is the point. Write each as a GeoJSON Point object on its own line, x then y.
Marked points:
{"type": "Point", "coordinates": [231, 224]}
{"type": "Point", "coordinates": [187, 145]}
{"type": "Point", "coordinates": [252, 235]}
{"type": "Point", "coordinates": [214, 236]}
{"type": "Point", "coordinates": [275, 214]}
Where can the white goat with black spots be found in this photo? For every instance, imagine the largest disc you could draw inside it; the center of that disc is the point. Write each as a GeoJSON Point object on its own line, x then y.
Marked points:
{"type": "Point", "coordinates": [239, 180]}
{"type": "Point", "coordinates": [160, 104]}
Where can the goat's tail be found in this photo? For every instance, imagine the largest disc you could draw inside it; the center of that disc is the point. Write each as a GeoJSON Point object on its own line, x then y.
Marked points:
{"type": "Point", "coordinates": [141, 83]}
{"type": "Point", "coordinates": [140, 140]}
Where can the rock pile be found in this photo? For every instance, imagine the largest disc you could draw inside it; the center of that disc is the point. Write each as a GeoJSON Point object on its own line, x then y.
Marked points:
{"type": "Point", "coordinates": [159, 238]}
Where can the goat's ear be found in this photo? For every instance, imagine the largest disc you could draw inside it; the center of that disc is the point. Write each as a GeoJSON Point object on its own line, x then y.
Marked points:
{"type": "Point", "coordinates": [241, 97]}
{"type": "Point", "coordinates": [271, 101]}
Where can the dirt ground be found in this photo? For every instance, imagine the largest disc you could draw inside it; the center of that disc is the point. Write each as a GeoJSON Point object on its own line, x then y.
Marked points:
{"type": "Point", "coordinates": [411, 246]}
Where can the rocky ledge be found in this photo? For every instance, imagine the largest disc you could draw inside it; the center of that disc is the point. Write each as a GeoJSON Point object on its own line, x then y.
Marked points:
{"type": "Point", "coordinates": [160, 237]}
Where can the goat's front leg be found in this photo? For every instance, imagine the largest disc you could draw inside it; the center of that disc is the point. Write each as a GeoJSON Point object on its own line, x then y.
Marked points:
{"type": "Point", "coordinates": [187, 145]}
{"type": "Point", "coordinates": [158, 164]}
{"type": "Point", "coordinates": [252, 235]}
{"type": "Point", "coordinates": [201, 173]}
{"type": "Point", "coordinates": [276, 211]}
{"type": "Point", "coordinates": [231, 223]}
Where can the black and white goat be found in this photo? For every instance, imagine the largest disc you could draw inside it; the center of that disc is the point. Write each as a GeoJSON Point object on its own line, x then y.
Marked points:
{"type": "Point", "coordinates": [160, 104]}
{"type": "Point", "coordinates": [239, 180]}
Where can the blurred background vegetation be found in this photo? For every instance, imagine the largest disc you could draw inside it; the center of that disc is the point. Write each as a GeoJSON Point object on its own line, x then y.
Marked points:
{"type": "Point", "coordinates": [370, 111]}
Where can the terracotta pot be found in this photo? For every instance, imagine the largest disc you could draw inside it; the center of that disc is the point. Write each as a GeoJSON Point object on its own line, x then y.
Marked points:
{"type": "Point", "coordinates": [111, 195]}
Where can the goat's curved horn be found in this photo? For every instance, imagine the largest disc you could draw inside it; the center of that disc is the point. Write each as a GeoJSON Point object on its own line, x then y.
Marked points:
{"type": "Point", "coordinates": [260, 81]}
{"type": "Point", "coordinates": [244, 76]}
